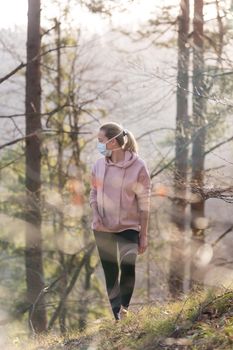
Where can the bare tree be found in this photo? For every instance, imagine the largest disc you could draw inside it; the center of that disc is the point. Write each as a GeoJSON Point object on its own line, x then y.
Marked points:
{"type": "Point", "coordinates": [199, 106]}
{"type": "Point", "coordinates": [33, 249]}
{"type": "Point", "coordinates": [176, 273]}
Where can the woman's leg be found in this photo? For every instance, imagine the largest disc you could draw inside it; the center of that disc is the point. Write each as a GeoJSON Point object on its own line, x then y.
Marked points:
{"type": "Point", "coordinates": [106, 243]}
{"type": "Point", "coordinates": [128, 247]}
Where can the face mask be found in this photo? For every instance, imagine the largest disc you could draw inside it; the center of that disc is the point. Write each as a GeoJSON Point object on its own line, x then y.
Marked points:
{"type": "Point", "coordinates": [102, 147]}
{"type": "Point", "coordinates": [103, 150]}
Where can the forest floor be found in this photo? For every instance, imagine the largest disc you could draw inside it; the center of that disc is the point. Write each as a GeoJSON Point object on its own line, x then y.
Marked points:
{"type": "Point", "coordinates": [199, 320]}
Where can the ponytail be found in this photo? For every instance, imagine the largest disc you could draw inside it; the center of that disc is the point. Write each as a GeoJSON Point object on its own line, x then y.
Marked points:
{"type": "Point", "coordinates": [131, 143]}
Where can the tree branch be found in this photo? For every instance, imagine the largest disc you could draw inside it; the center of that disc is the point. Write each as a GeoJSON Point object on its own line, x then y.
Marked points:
{"type": "Point", "coordinates": [218, 145]}
{"type": "Point", "coordinates": [71, 285]}
{"type": "Point", "coordinates": [24, 64]}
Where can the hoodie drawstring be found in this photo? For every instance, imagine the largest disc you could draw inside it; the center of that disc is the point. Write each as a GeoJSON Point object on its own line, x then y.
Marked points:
{"type": "Point", "coordinates": [121, 196]}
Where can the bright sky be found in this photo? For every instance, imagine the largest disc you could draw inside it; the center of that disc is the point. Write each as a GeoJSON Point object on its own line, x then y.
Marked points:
{"type": "Point", "coordinates": [14, 12]}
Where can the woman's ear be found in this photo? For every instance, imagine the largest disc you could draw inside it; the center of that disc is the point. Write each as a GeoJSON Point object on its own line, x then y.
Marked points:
{"type": "Point", "coordinates": [113, 142]}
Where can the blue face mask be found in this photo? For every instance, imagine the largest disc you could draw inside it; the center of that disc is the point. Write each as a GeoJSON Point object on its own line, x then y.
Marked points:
{"type": "Point", "coordinates": [102, 147]}
{"type": "Point", "coordinates": [103, 150]}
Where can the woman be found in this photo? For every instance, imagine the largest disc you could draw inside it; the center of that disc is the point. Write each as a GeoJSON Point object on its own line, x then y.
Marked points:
{"type": "Point", "coordinates": [120, 200]}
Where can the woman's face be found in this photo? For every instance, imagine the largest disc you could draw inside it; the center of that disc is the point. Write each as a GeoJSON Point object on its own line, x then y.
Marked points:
{"type": "Point", "coordinates": [110, 143]}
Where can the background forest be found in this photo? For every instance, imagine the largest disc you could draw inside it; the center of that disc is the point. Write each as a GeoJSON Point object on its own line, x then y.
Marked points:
{"type": "Point", "coordinates": [163, 69]}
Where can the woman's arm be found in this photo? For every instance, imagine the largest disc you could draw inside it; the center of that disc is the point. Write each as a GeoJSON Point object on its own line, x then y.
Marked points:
{"type": "Point", "coordinates": [144, 221]}
{"type": "Point", "coordinates": [93, 200]}
{"type": "Point", "coordinates": [143, 196]}
{"type": "Point", "coordinates": [93, 191]}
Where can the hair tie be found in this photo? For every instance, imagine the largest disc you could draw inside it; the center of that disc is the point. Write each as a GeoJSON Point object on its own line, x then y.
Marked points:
{"type": "Point", "coordinates": [125, 132]}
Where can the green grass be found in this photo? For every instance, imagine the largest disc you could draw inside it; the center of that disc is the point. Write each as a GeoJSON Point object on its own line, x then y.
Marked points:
{"type": "Point", "coordinates": [201, 320]}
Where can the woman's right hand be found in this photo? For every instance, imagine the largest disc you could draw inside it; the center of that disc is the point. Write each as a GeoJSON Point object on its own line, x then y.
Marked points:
{"type": "Point", "coordinates": [97, 222]}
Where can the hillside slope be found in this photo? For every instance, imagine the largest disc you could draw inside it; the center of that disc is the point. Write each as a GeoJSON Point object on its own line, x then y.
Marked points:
{"type": "Point", "coordinates": [200, 320]}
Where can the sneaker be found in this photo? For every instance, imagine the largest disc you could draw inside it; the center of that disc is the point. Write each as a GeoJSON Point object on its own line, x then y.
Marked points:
{"type": "Point", "coordinates": [123, 312]}
{"type": "Point", "coordinates": [117, 315]}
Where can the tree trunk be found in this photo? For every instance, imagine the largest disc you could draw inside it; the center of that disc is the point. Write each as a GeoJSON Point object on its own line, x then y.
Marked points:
{"type": "Point", "coordinates": [33, 249]}
{"type": "Point", "coordinates": [198, 147]}
{"type": "Point", "coordinates": [176, 273]}
{"type": "Point", "coordinates": [61, 233]}
{"type": "Point", "coordinates": [199, 127]}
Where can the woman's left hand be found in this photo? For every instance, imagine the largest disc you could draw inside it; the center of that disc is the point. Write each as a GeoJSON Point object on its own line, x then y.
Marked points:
{"type": "Point", "coordinates": [142, 243]}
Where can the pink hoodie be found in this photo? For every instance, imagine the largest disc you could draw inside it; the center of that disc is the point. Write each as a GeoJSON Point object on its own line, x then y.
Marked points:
{"type": "Point", "coordinates": [120, 191]}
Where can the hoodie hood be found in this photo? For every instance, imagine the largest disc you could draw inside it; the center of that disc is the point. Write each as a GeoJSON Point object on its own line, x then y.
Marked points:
{"type": "Point", "coordinates": [130, 158]}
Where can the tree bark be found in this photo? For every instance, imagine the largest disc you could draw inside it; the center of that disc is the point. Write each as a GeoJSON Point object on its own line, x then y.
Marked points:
{"type": "Point", "coordinates": [199, 134]}
{"type": "Point", "coordinates": [199, 129]}
{"type": "Point", "coordinates": [33, 238]}
{"type": "Point", "coordinates": [176, 273]}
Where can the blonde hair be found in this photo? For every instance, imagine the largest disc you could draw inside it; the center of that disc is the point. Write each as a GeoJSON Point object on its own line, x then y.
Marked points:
{"type": "Point", "coordinates": [112, 129]}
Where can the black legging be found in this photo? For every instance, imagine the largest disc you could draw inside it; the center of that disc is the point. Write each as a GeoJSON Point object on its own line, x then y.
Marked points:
{"type": "Point", "coordinates": [110, 245]}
